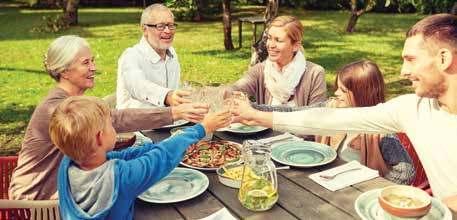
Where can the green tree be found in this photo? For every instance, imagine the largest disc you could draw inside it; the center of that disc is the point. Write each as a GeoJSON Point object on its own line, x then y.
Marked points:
{"type": "Point", "coordinates": [70, 12]}
{"type": "Point", "coordinates": [358, 8]}
{"type": "Point", "coordinates": [427, 6]}
{"type": "Point", "coordinates": [69, 7]}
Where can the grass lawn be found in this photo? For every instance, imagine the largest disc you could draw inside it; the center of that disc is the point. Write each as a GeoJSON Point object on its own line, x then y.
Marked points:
{"type": "Point", "coordinates": [200, 49]}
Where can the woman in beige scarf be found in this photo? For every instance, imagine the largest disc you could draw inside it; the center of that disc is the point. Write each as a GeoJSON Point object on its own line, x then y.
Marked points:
{"type": "Point", "coordinates": [285, 78]}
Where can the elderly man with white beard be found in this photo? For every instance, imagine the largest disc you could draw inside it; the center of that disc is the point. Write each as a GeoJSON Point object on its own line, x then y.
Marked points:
{"type": "Point", "coordinates": [149, 72]}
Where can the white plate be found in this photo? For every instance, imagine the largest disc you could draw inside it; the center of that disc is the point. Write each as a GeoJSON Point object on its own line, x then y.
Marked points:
{"type": "Point", "coordinates": [199, 168]}
{"type": "Point", "coordinates": [243, 129]}
{"type": "Point", "coordinates": [176, 124]}
{"type": "Point", "coordinates": [368, 208]}
{"type": "Point", "coordinates": [180, 185]}
{"type": "Point", "coordinates": [302, 153]}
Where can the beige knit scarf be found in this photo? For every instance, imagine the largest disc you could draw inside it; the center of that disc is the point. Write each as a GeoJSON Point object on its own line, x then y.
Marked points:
{"type": "Point", "coordinates": [282, 84]}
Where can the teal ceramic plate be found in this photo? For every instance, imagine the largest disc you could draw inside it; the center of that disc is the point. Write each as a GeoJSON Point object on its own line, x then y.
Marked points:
{"type": "Point", "coordinates": [243, 129]}
{"type": "Point", "coordinates": [368, 208]}
{"type": "Point", "coordinates": [181, 184]}
{"type": "Point", "coordinates": [303, 153]}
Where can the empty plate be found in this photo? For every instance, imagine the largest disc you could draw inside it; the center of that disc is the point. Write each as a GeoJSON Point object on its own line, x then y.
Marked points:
{"type": "Point", "coordinates": [303, 153]}
{"type": "Point", "coordinates": [243, 129]}
{"type": "Point", "coordinates": [181, 184]}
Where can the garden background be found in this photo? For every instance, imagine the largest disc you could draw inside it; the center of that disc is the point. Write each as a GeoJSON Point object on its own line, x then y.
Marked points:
{"type": "Point", "coordinates": [27, 28]}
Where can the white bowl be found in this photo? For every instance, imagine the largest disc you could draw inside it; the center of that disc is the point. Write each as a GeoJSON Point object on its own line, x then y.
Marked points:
{"type": "Point", "coordinates": [230, 182]}
{"type": "Point", "coordinates": [404, 201]}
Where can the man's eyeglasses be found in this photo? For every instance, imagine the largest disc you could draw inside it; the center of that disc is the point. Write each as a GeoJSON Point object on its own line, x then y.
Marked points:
{"type": "Point", "coordinates": [161, 26]}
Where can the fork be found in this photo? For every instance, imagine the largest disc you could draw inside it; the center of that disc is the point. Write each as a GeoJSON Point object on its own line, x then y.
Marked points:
{"type": "Point", "coordinates": [330, 177]}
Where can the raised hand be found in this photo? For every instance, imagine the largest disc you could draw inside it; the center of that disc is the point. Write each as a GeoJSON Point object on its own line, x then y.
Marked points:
{"type": "Point", "coordinates": [216, 120]}
{"type": "Point", "coordinates": [177, 97]}
{"type": "Point", "coordinates": [193, 112]}
{"type": "Point", "coordinates": [240, 105]}
{"type": "Point", "coordinates": [244, 113]}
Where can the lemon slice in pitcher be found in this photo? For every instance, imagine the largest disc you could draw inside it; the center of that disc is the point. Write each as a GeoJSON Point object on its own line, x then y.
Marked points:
{"type": "Point", "coordinates": [257, 193]}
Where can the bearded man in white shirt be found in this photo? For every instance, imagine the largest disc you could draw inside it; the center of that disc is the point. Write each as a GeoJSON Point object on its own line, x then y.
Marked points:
{"type": "Point", "coordinates": [149, 72]}
{"type": "Point", "coordinates": [428, 117]}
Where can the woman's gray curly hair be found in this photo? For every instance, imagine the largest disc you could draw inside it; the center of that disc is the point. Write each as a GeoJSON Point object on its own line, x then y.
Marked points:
{"type": "Point", "coordinates": [61, 54]}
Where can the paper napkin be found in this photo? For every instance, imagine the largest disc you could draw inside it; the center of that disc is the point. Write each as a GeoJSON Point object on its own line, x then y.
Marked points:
{"type": "Point", "coordinates": [344, 179]}
{"type": "Point", "coordinates": [221, 214]}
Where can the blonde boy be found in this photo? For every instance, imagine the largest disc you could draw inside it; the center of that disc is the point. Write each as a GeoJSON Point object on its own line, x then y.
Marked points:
{"type": "Point", "coordinates": [96, 183]}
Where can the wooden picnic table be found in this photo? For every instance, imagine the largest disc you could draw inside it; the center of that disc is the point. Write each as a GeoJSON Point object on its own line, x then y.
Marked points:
{"type": "Point", "coordinates": [299, 196]}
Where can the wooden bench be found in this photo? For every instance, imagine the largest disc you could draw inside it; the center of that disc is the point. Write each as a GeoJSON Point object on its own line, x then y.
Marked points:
{"type": "Point", "coordinates": [254, 21]}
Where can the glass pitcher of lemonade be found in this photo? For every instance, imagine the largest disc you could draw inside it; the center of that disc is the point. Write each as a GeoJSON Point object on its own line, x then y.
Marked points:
{"type": "Point", "coordinates": [259, 183]}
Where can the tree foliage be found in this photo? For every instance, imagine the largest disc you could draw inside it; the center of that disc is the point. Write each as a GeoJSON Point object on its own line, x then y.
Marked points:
{"type": "Point", "coordinates": [195, 10]}
{"type": "Point", "coordinates": [57, 23]}
{"type": "Point", "coordinates": [52, 24]}
{"type": "Point", "coordinates": [425, 6]}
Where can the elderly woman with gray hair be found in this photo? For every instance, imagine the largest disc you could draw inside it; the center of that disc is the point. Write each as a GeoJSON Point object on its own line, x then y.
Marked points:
{"type": "Point", "coordinates": [69, 61]}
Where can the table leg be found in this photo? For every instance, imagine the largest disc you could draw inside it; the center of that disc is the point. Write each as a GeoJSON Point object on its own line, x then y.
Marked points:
{"type": "Point", "coordinates": [240, 39]}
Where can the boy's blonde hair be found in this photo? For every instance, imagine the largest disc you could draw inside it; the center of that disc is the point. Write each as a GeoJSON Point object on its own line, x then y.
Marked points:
{"type": "Point", "coordinates": [75, 123]}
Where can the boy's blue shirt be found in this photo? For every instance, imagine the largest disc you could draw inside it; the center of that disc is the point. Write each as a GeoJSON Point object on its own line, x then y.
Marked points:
{"type": "Point", "coordinates": [136, 169]}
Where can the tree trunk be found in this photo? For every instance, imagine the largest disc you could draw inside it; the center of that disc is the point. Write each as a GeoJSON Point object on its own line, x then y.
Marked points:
{"type": "Point", "coordinates": [352, 22]}
{"type": "Point", "coordinates": [70, 12]}
{"type": "Point", "coordinates": [271, 11]}
{"type": "Point", "coordinates": [356, 12]}
{"type": "Point", "coordinates": [227, 20]}
{"type": "Point", "coordinates": [198, 13]}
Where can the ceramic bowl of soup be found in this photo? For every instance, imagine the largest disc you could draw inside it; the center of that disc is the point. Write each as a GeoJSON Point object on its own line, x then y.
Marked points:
{"type": "Point", "coordinates": [405, 201]}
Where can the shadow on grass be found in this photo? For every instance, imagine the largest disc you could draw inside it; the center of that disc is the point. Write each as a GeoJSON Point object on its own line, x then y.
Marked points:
{"type": "Point", "coordinates": [14, 113]}
{"type": "Point", "coordinates": [14, 120]}
{"type": "Point", "coordinates": [27, 19]}
{"type": "Point", "coordinates": [22, 70]}
{"type": "Point", "coordinates": [224, 54]}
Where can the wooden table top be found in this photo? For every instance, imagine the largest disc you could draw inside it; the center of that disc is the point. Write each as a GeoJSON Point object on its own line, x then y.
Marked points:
{"type": "Point", "coordinates": [299, 196]}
